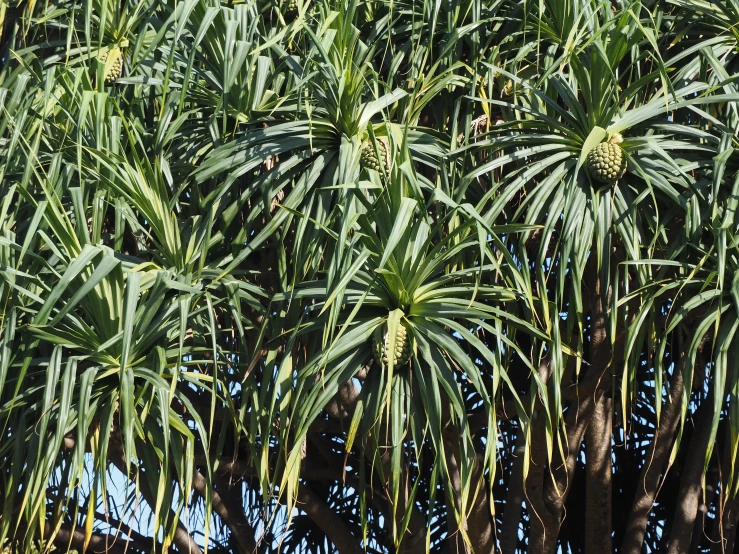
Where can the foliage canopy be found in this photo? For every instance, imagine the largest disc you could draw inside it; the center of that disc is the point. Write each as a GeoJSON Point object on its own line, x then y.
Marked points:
{"type": "Point", "coordinates": [383, 276]}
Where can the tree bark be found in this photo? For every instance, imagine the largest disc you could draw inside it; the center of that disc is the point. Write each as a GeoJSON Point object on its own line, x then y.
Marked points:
{"type": "Point", "coordinates": [548, 495]}
{"type": "Point", "coordinates": [556, 488]}
{"type": "Point", "coordinates": [98, 542]}
{"type": "Point", "coordinates": [139, 541]}
{"type": "Point", "coordinates": [598, 485]}
{"type": "Point", "coordinates": [652, 471]}
{"type": "Point", "coordinates": [233, 517]}
{"type": "Point", "coordinates": [690, 481]}
{"type": "Point", "coordinates": [514, 498]}
{"type": "Point", "coordinates": [724, 534]}
{"type": "Point", "coordinates": [414, 540]}
{"type": "Point", "coordinates": [729, 519]}
{"type": "Point", "coordinates": [544, 523]}
{"type": "Point", "coordinates": [712, 494]}
{"type": "Point", "coordinates": [330, 523]}
{"type": "Point", "coordinates": [540, 515]}
{"type": "Point", "coordinates": [475, 521]}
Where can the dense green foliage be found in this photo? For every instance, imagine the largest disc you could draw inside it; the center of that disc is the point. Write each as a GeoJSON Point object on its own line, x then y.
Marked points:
{"type": "Point", "coordinates": [383, 276]}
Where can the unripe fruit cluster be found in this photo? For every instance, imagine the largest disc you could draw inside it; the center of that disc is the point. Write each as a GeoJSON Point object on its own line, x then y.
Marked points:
{"type": "Point", "coordinates": [606, 162]}
{"type": "Point", "coordinates": [402, 352]}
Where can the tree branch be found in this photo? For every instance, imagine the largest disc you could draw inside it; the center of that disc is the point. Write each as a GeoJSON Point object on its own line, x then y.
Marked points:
{"type": "Point", "coordinates": [99, 542]}
{"type": "Point", "coordinates": [147, 543]}
{"type": "Point", "coordinates": [235, 519]}
{"type": "Point", "coordinates": [182, 538]}
{"type": "Point", "coordinates": [330, 523]}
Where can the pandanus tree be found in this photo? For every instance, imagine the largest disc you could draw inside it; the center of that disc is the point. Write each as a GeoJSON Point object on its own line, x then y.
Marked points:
{"type": "Point", "coordinates": [369, 276]}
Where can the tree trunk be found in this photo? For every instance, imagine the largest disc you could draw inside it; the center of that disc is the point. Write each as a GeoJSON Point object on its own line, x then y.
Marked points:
{"type": "Point", "coordinates": [724, 534]}
{"type": "Point", "coordinates": [414, 540]}
{"type": "Point", "coordinates": [598, 516]}
{"type": "Point", "coordinates": [541, 518]}
{"type": "Point", "coordinates": [549, 510]}
{"type": "Point", "coordinates": [729, 519]}
{"type": "Point", "coordinates": [476, 522]}
{"type": "Point", "coordinates": [713, 482]}
{"type": "Point", "coordinates": [691, 478]}
{"type": "Point", "coordinates": [652, 471]}
{"type": "Point", "coordinates": [514, 498]}
{"type": "Point", "coordinates": [557, 486]}
{"type": "Point", "coordinates": [544, 524]}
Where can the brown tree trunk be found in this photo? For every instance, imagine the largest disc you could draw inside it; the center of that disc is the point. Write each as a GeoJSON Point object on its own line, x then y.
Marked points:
{"type": "Point", "coordinates": [713, 482]}
{"type": "Point", "coordinates": [547, 497]}
{"type": "Point", "coordinates": [556, 487]}
{"type": "Point", "coordinates": [729, 519]}
{"type": "Point", "coordinates": [690, 481]}
{"type": "Point", "coordinates": [658, 455]}
{"type": "Point", "coordinates": [598, 516]}
{"type": "Point", "coordinates": [543, 521]}
{"type": "Point", "coordinates": [414, 540]}
{"type": "Point", "coordinates": [514, 497]}
{"type": "Point", "coordinates": [476, 522]}
{"type": "Point", "coordinates": [724, 534]}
